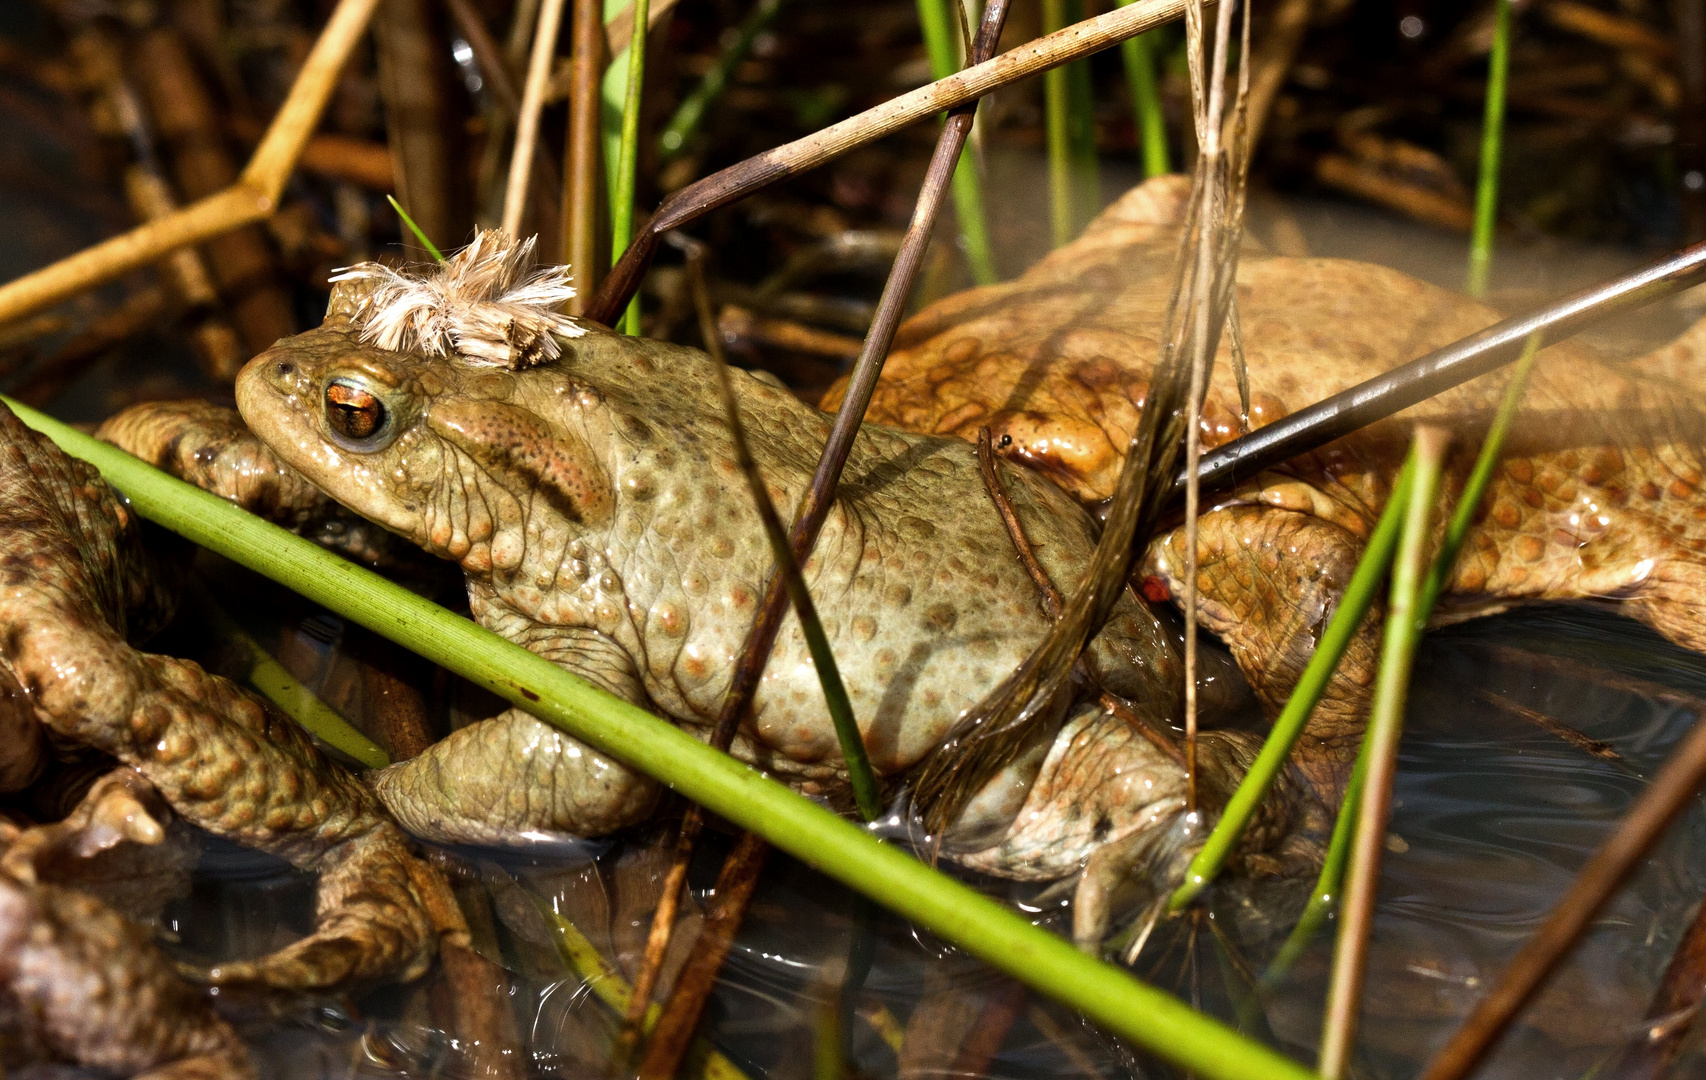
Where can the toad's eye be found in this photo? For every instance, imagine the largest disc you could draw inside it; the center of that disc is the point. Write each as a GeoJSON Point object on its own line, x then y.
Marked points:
{"type": "Point", "coordinates": [355, 413]}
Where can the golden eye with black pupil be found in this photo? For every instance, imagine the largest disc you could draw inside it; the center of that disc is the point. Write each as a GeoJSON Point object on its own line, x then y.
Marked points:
{"type": "Point", "coordinates": [354, 413]}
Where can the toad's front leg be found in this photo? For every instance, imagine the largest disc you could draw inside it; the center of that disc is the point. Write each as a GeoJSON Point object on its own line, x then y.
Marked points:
{"type": "Point", "coordinates": [514, 780]}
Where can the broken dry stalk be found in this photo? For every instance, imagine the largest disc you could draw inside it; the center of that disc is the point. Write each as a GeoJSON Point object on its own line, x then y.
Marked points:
{"type": "Point", "coordinates": [527, 122]}
{"type": "Point", "coordinates": [719, 189]}
{"type": "Point", "coordinates": [673, 1034]}
{"type": "Point", "coordinates": [1492, 148]}
{"type": "Point", "coordinates": [1353, 607]}
{"type": "Point", "coordinates": [622, 192]}
{"type": "Point", "coordinates": [1386, 724]}
{"type": "Point", "coordinates": [253, 197]}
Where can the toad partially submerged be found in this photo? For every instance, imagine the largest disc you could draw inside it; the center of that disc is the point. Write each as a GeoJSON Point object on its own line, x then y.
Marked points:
{"type": "Point", "coordinates": [593, 500]}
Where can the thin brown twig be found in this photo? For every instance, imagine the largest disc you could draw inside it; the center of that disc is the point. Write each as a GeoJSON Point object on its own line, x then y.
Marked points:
{"type": "Point", "coordinates": [673, 1035]}
{"type": "Point", "coordinates": [1050, 596]}
{"type": "Point", "coordinates": [979, 78]}
{"type": "Point", "coordinates": [253, 197]}
{"type": "Point", "coordinates": [580, 156]}
{"type": "Point", "coordinates": [527, 121]}
{"type": "Point", "coordinates": [1586, 744]}
{"type": "Point", "coordinates": [1671, 791]}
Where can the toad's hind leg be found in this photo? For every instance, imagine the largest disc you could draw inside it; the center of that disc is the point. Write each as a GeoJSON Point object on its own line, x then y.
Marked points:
{"type": "Point", "coordinates": [1268, 582]}
{"type": "Point", "coordinates": [510, 781]}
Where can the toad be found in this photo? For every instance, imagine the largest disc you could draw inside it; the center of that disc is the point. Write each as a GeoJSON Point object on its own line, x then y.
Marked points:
{"type": "Point", "coordinates": [586, 484]}
{"type": "Point", "coordinates": [1597, 497]}
{"type": "Point", "coordinates": [77, 588]}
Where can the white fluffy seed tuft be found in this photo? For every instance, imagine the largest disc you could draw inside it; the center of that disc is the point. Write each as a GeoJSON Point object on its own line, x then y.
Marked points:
{"type": "Point", "coordinates": [485, 304]}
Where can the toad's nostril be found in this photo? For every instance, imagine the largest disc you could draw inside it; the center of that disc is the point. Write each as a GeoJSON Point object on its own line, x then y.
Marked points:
{"type": "Point", "coordinates": [285, 367]}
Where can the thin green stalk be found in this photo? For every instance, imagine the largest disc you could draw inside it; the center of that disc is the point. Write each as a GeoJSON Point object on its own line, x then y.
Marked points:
{"type": "Point", "coordinates": [628, 157]}
{"type": "Point", "coordinates": [1492, 149]}
{"type": "Point", "coordinates": [1108, 996]}
{"type": "Point", "coordinates": [1139, 54]}
{"type": "Point", "coordinates": [1481, 475]}
{"type": "Point", "coordinates": [940, 27]}
{"type": "Point", "coordinates": [691, 112]}
{"type": "Point", "coordinates": [1325, 896]}
{"type": "Point", "coordinates": [866, 794]}
{"type": "Point", "coordinates": [437, 255]}
{"type": "Point", "coordinates": [1081, 133]}
{"type": "Point", "coordinates": [1057, 105]}
{"type": "Point", "coordinates": [1385, 726]}
{"type": "Point", "coordinates": [583, 958]}
{"type": "Point", "coordinates": [1353, 606]}
{"type": "Point", "coordinates": [278, 686]}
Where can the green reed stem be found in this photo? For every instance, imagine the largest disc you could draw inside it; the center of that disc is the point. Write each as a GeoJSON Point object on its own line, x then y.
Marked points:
{"type": "Point", "coordinates": [1325, 896]}
{"type": "Point", "coordinates": [1492, 149]}
{"type": "Point", "coordinates": [1107, 995]}
{"type": "Point", "coordinates": [278, 686]}
{"type": "Point", "coordinates": [628, 158]}
{"type": "Point", "coordinates": [1469, 503]}
{"type": "Point", "coordinates": [1139, 54]}
{"type": "Point", "coordinates": [866, 795]}
{"type": "Point", "coordinates": [1317, 674]}
{"type": "Point", "coordinates": [1081, 131]}
{"type": "Point", "coordinates": [582, 957]}
{"type": "Point", "coordinates": [1385, 726]}
{"type": "Point", "coordinates": [691, 112]}
{"type": "Point", "coordinates": [437, 255]}
{"type": "Point", "coordinates": [940, 27]}
{"type": "Point", "coordinates": [1057, 106]}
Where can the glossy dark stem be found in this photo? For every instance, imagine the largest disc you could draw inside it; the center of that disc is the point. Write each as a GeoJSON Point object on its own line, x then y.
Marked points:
{"type": "Point", "coordinates": [1488, 350]}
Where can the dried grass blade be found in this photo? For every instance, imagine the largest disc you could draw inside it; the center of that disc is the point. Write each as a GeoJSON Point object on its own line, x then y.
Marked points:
{"type": "Point", "coordinates": [1398, 650]}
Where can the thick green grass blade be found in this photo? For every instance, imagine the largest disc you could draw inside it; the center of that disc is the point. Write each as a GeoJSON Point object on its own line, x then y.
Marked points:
{"type": "Point", "coordinates": [628, 153]}
{"type": "Point", "coordinates": [1139, 55]}
{"type": "Point", "coordinates": [1109, 996]}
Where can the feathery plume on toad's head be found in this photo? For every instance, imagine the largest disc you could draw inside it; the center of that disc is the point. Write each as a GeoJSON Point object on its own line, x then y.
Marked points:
{"type": "Point", "coordinates": [485, 305]}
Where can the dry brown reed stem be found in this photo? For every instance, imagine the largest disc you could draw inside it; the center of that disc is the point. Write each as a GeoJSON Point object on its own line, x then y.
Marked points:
{"type": "Point", "coordinates": [527, 121]}
{"type": "Point", "coordinates": [1560, 731]}
{"type": "Point", "coordinates": [995, 1020]}
{"type": "Point", "coordinates": [673, 1035]}
{"type": "Point", "coordinates": [253, 197]}
{"type": "Point", "coordinates": [580, 155]}
{"type": "Point", "coordinates": [1674, 1007]}
{"type": "Point", "coordinates": [1385, 725]}
{"type": "Point", "coordinates": [1365, 180]}
{"type": "Point", "coordinates": [1671, 791]}
{"type": "Point", "coordinates": [721, 188]}
{"type": "Point", "coordinates": [1272, 61]}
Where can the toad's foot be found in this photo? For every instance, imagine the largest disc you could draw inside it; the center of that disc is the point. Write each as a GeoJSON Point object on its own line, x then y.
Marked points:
{"type": "Point", "coordinates": [73, 573]}
{"type": "Point", "coordinates": [210, 447]}
{"type": "Point", "coordinates": [1108, 805]}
